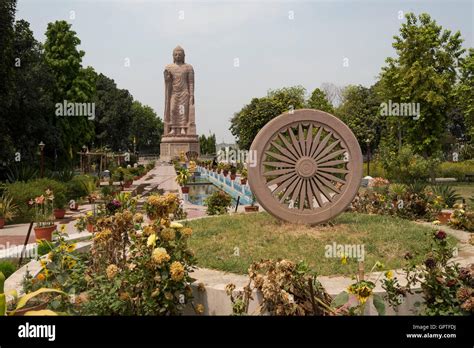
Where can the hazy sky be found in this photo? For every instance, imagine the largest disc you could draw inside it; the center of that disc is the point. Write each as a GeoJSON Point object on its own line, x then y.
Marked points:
{"type": "Point", "coordinates": [277, 44]}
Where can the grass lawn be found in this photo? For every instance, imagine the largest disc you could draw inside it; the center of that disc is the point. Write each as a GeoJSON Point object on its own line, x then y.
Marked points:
{"type": "Point", "coordinates": [260, 236]}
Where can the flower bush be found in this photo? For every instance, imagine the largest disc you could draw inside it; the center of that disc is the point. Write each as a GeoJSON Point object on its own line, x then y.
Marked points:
{"type": "Point", "coordinates": [462, 218]}
{"type": "Point", "coordinates": [446, 288]}
{"type": "Point", "coordinates": [409, 202]}
{"type": "Point", "coordinates": [161, 206]}
{"type": "Point", "coordinates": [151, 278]}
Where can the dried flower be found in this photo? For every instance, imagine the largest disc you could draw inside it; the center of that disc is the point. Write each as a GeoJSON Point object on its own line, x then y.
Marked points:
{"type": "Point", "coordinates": [177, 271]}
{"type": "Point", "coordinates": [111, 271]}
{"type": "Point", "coordinates": [168, 234]}
{"type": "Point", "coordinates": [199, 309]}
{"type": "Point", "coordinates": [160, 255]}
{"type": "Point", "coordinates": [187, 232]}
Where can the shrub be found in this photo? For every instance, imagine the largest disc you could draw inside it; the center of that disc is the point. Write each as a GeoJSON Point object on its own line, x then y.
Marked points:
{"type": "Point", "coordinates": [218, 203]}
{"type": "Point", "coordinates": [456, 170]}
{"type": "Point", "coordinates": [79, 186]}
{"type": "Point", "coordinates": [446, 288]}
{"type": "Point", "coordinates": [154, 277]}
{"type": "Point", "coordinates": [22, 192]}
{"type": "Point", "coordinates": [7, 268]}
{"type": "Point", "coordinates": [461, 218]}
{"type": "Point", "coordinates": [447, 193]}
{"type": "Point", "coordinates": [406, 166]}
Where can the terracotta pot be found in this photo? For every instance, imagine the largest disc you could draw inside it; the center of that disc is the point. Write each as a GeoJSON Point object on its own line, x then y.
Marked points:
{"type": "Point", "coordinates": [44, 232]}
{"type": "Point", "coordinates": [90, 228]}
{"type": "Point", "coordinates": [21, 312]}
{"type": "Point", "coordinates": [243, 181]}
{"type": "Point", "coordinates": [251, 208]}
{"type": "Point", "coordinates": [225, 172]}
{"type": "Point", "coordinates": [127, 184]}
{"type": "Point", "coordinates": [184, 189]}
{"type": "Point", "coordinates": [233, 176]}
{"type": "Point", "coordinates": [2, 223]}
{"type": "Point", "coordinates": [444, 216]}
{"type": "Point", "coordinates": [59, 213]}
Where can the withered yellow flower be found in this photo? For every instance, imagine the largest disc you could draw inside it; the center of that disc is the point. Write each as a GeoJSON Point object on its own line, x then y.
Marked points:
{"type": "Point", "coordinates": [177, 271]}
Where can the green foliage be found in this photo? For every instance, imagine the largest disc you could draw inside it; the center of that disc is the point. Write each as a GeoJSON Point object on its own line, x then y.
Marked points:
{"type": "Point", "coordinates": [423, 72]}
{"type": "Point", "coordinates": [465, 91]}
{"type": "Point", "coordinates": [319, 101]}
{"type": "Point", "coordinates": [407, 167]}
{"type": "Point", "coordinates": [456, 170]}
{"type": "Point", "coordinates": [7, 268]}
{"type": "Point", "coordinates": [246, 123]}
{"type": "Point", "coordinates": [447, 193]}
{"type": "Point", "coordinates": [22, 192]}
{"type": "Point", "coordinates": [146, 128]}
{"type": "Point", "coordinates": [114, 115]}
{"type": "Point", "coordinates": [80, 186]}
{"type": "Point", "coordinates": [21, 172]}
{"type": "Point", "coordinates": [446, 288]}
{"type": "Point", "coordinates": [183, 176]}
{"type": "Point", "coordinates": [360, 111]}
{"type": "Point", "coordinates": [207, 144]}
{"type": "Point", "coordinates": [218, 203]}
{"type": "Point", "coordinates": [72, 83]}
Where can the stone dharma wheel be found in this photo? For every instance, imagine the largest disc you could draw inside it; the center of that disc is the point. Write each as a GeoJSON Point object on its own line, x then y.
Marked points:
{"type": "Point", "coordinates": [308, 166]}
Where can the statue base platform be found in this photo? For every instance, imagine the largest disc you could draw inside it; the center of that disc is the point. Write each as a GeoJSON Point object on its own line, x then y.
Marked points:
{"type": "Point", "coordinates": [172, 145]}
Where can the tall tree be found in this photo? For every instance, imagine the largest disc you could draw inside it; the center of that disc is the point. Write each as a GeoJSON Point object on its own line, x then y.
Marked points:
{"type": "Point", "coordinates": [207, 144]}
{"type": "Point", "coordinates": [7, 18]}
{"type": "Point", "coordinates": [72, 84]}
{"type": "Point", "coordinates": [113, 115]}
{"type": "Point", "coordinates": [465, 91]}
{"type": "Point", "coordinates": [146, 128]}
{"type": "Point", "coordinates": [318, 100]}
{"type": "Point", "coordinates": [246, 123]}
{"type": "Point", "coordinates": [360, 111]}
{"type": "Point", "coordinates": [423, 72]}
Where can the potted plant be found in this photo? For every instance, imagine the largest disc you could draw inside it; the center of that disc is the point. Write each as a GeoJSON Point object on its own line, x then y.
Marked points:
{"type": "Point", "coordinates": [243, 176]}
{"type": "Point", "coordinates": [252, 207]}
{"type": "Point", "coordinates": [220, 167]}
{"type": "Point", "coordinates": [44, 217]}
{"type": "Point", "coordinates": [8, 209]}
{"type": "Point", "coordinates": [182, 179]}
{"type": "Point", "coordinates": [233, 172]}
{"type": "Point", "coordinates": [226, 169]}
{"type": "Point", "coordinates": [59, 206]}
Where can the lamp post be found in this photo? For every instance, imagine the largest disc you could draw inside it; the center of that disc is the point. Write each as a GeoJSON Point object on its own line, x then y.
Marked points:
{"type": "Point", "coordinates": [368, 156]}
{"type": "Point", "coordinates": [83, 158]}
{"type": "Point", "coordinates": [41, 147]}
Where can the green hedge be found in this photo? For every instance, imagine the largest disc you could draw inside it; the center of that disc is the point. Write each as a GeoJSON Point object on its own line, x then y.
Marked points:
{"type": "Point", "coordinates": [457, 170]}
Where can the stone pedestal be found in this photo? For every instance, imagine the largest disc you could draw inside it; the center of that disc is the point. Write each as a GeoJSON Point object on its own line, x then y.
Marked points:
{"type": "Point", "coordinates": [172, 145]}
